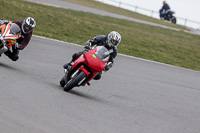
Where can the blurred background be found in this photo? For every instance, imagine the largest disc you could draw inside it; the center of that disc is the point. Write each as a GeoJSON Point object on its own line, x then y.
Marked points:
{"type": "Point", "coordinates": [186, 11]}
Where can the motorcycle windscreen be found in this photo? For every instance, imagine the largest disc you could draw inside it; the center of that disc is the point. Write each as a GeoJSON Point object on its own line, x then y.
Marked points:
{"type": "Point", "coordinates": [95, 60]}
{"type": "Point", "coordinates": [102, 53]}
{"type": "Point", "coordinates": [15, 29]}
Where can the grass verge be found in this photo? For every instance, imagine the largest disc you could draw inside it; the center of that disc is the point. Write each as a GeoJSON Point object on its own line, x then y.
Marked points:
{"type": "Point", "coordinates": [140, 40]}
{"type": "Point", "coordinates": [117, 10]}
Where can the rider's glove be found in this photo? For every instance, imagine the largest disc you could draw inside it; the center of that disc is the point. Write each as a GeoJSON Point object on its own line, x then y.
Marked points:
{"type": "Point", "coordinates": [108, 66]}
{"type": "Point", "coordinates": [1, 22]}
{"type": "Point", "coordinates": [88, 45]}
{"type": "Point", "coordinates": [87, 48]}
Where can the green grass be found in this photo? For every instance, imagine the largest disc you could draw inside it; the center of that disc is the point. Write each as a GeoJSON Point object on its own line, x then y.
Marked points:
{"type": "Point", "coordinates": [140, 40]}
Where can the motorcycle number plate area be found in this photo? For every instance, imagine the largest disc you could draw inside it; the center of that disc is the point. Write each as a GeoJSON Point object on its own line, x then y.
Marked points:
{"type": "Point", "coordinates": [94, 56]}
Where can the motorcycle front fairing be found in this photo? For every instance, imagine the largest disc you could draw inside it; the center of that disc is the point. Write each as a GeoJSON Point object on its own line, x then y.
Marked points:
{"type": "Point", "coordinates": [94, 62]}
{"type": "Point", "coordinates": [81, 64]}
{"type": "Point", "coordinates": [91, 63]}
{"type": "Point", "coordinates": [75, 66]}
{"type": "Point", "coordinates": [96, 59]}
{"type": "Point", "coordinates": [9, 34]}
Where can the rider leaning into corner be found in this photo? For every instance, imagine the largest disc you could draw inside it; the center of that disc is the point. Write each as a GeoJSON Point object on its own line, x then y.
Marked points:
{"type": "Point", "coordinates": [26, 27]}
{"type": "Point", "coordinates": [110, 42]}
{"type": "Point", "coordinates": [164, 8]}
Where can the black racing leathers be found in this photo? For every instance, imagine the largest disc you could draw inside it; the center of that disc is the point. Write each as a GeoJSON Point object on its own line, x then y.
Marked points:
{"type": "Point", "coordinates": [165, 7]}
{"type": "Point", "coordinates": [100, 40]}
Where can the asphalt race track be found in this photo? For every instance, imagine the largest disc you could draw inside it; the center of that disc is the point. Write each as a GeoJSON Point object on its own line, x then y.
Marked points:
{"type": "Point", "coordinates": [135, 96]}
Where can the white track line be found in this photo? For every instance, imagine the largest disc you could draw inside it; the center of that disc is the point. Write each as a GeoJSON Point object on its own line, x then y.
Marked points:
{"type": "Point", "coordinates": [120, 54]}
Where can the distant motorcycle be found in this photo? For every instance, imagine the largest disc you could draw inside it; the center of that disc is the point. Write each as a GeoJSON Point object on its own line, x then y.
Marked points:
{"type": "Point", "coordinates": [9, 33]}
{"type": "Point", "coordinates": [167, 15]}
{"type": "Point", "coordinates": [85, 68]}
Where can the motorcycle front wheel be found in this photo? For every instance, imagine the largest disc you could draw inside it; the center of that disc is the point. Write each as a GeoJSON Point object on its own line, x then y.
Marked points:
{"type": "Point", "coordinates": [74, 82]}
{"type": "Point", "coordinates": [173, 20]}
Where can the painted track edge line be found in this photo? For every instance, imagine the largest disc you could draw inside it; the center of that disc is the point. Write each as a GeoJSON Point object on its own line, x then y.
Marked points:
{"type": "Point", "coordinates": [121, 54]}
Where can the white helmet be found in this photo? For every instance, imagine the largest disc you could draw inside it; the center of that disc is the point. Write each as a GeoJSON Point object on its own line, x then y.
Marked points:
{"type": "Point", "coordinates": [113, 39]}
{"type": "Point", "coordinates": [28, 25]}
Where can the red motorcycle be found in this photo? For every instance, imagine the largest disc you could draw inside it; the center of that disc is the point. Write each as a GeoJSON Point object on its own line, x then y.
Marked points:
{"type": "Point", "coordinates": [85, 68]}
{"type": "Point", "coordinates": [9, 33]}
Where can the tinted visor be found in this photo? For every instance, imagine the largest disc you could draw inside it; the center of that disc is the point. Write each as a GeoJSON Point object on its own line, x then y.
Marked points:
{"type": "Point", "coordinates": [27, 28]}
{"type": "Point", "coordinates": [114, 42]}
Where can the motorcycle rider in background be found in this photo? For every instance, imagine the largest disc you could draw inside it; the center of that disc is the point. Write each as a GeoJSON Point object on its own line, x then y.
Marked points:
{"type": "Point", "coordinates": [26, 27]}
{"type": "Point", "coordinates": [110, 42]}
{"type": "Point", "coordinates": [165, 9]}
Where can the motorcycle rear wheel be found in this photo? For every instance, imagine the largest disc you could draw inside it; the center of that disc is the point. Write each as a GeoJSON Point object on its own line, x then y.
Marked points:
{"type": "Point", "coordinates": [173, 20]}
{"type": "Point", "coordinates": [74, 82]}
